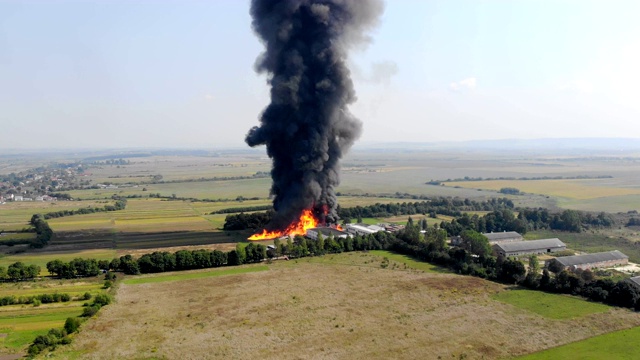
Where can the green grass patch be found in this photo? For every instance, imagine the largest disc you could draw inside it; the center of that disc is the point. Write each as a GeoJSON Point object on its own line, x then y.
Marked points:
{"type": "Point", "coordinates": [195, 275]}
{"type": "Point", "coordinates": [23, 324]}
{"type": "Point", "coordinates": [620, 345]}
{"type": "Point", "coordinates": [409, 261]}
{"type": "Point", "coordinates": [552, 306]}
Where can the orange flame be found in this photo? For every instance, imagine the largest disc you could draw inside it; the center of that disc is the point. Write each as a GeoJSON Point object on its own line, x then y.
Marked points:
{"type": "Point", "coordinates": [306, 221]}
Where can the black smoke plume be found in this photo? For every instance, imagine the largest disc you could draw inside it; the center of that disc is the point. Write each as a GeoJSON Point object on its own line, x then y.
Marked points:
{"type": "Point", "coordinates": [307, 127]}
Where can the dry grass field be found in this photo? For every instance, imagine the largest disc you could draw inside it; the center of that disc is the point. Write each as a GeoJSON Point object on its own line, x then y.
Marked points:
{"type": "Point", "coordinates": [340, 306]}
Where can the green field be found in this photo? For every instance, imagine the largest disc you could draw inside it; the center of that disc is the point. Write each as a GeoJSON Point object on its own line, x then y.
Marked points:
{"type": "Point", "coordinates": [552, 306]}
{"type": "Point", "coordinates": [618, 345]}
{"type": "Point", "coordinates": [190, 275]}
{"type": "Point", "coordinates": [20, 324]}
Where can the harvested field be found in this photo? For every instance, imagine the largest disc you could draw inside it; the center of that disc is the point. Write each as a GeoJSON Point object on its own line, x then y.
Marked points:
{"type": "Point", "coordinates": [339, 306]}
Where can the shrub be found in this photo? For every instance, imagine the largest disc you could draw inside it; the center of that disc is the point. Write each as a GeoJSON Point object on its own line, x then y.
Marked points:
{"type": "Point", "coordinates": [71, 325]}
{"type": "Point", "coordinates": [102, 300]}
{"type": "Point", "coordinates": [107, 284]}
{"type": "Point", "coordinates": [86, 296]}
{"type": "Point", "coordinates": [89, 311]}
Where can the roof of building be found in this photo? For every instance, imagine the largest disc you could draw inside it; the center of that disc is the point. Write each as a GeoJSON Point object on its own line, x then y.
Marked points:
{"type": "Point", "coordinates": [635, 279]}
{"type": "Point", "coordinates": [326, 231]}
{"type": "Point", "coordinates": [591, 258]}
{"type": "Point", "coordinates": [516, 246]}
{"type": "Point", "coordinates": [362, 228]}
{"type": "Point", "coordinates": [502, 235]}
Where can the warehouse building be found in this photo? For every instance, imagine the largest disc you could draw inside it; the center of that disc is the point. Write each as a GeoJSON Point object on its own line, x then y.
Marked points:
{"type": "Point", "coordinates": [362, 229]}
{"type": "Point", "coordinates": [515, 248]}
{"type": "Point", "coordinates": [326, 232]}
{"type": "Point", "coordinates": [501, 237]}
{"type": "Point", "coordinates": [590, 261]}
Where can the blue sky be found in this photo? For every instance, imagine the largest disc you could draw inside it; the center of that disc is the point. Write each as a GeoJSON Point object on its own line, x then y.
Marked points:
{"type": "Point", "coordinates": [180, 73]}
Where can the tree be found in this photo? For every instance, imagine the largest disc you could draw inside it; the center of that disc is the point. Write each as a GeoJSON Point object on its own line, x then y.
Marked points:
{"type": "Point", "coordinates": [233, 258]}
{"type": "Point", "coordinates": [555, 266]}
{"type": "Point", "coordinates": [475, 243]}
{"type": "Point", "coordinates": [534, 264]}
{"type": "Point", "coordinates": [512, 271]}
{"type": "Point", "coordinates": [242, 255]}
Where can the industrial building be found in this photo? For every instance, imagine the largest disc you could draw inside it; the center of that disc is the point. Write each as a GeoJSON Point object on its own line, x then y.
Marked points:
{"type": "Point", "coordinates": [515, 248]}
{"type": "Point", "coordinates": [590, 261]}
{"type": "Point", "coordinates": [362, 229]}
{"type": "Point", "coordinates": [326, 232]}
{"type": "Point", "coordinates": [501, 237]}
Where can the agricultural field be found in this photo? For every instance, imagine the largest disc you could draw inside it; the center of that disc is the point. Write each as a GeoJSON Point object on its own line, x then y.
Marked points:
{"type": "Point", "coordinates": [20, 324]}
{"type": "Point", "coordinates": [348, 305]}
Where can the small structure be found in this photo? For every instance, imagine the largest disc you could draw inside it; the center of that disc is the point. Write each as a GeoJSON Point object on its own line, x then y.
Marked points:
{"type": "Point", "coordinates": [590, 261]}
{"type": "Point", "coordinates": [502, 237]}
{"type": "Point", "coordinates": [326, 232]}
{"type": "Point", "coordinates": [635, 280]}
{"type": "Point", "coordinates": [515, 248]}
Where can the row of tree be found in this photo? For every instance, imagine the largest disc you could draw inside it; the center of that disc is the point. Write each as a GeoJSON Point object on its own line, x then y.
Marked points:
{"type": "Point", "coordinates": [76, 268]}
{"type": "Point", "coordinates": [527, 219]}
{"type": "Point", "coordinates": [44, 233]}
{"type": "Point", "coordinates": [120, 204]}
{"type": "Point", "coordinates": [19, 271]}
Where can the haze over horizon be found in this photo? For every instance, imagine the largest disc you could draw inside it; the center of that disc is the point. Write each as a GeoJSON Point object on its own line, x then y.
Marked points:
{"type": "Point", "coordinates": [82, 74]}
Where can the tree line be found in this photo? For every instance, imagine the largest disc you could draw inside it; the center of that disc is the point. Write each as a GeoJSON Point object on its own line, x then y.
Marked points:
{"type": "Point", "coordinates": [480, 178]}
{"type": "Point", "coordinates": [120, 204]}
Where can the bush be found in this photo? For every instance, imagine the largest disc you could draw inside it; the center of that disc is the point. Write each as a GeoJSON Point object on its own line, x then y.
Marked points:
{"type": "Point", "coordinates": [86, 296]}
{"type": "Point", "coordinates": [89, 311]}
{"type": "Point", "coordinates": [102, 300]}
{"type": "Point", "coordinates": [71, 325]}
{"type": "Point", "coordinates": [107, 284]}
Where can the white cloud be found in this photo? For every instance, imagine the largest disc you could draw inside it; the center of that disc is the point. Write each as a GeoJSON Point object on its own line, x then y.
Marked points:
{"type": "Point", "coordinates": [468, 84]}
{"type": "Point", "coordinates": [209, 97]}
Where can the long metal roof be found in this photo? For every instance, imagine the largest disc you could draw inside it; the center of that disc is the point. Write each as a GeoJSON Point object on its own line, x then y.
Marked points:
{"type": "Point", "coordinates": [517, 246]}
{"type": "Point", "coordinates": [591, 258]}
{"type": "Point", "coordinates": [502, 235]}
{"type": "Point", "coordinates": [635, 279]}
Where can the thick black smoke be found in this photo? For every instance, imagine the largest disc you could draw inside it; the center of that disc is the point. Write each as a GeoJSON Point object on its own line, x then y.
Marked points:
{"type": "Point", "coordinates": [307, 126]}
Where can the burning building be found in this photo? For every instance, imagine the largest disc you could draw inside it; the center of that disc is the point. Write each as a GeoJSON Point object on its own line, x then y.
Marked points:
{"type": "Point", "coordinates": [307, 127]}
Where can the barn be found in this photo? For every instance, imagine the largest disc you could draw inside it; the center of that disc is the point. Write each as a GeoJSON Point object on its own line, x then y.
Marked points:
{"type": "Point", "coordinates": [590, 261]}
{"type": "Point", "coordinates": [515, 248]}
{"type": "Point", "coordinates": [500, 237]}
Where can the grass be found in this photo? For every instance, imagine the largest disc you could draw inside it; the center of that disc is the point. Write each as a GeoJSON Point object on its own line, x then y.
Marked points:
{"type": "Point", "coordinates": [551, 306]}
{"type": "Point", "coordinates": [195, 275]}
{"type": "Point", "coordinates": [22, 324]}
{"type": "Point", "coordinates": [571, 189]}
{"type": "Point", "coordinates": [409, 261]}
{"type": "Point", "coordinates": [619, 345]}
{"type": "Point", "coordinates": [361, 311]}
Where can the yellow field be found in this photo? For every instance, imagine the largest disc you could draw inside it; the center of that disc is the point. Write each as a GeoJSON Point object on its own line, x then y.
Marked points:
{"type": "Point", "coordinates": [572, 189]}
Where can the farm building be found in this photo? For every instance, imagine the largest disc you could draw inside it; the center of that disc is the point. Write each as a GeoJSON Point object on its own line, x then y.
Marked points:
{"type": "Point", "coordinates": [636, 280]}
{"type": "Point", "coordinates": [500, 237]}
{"type": "Point", "coordinates": [515, 248]}
{"type": "Point", "coordinates": [590, 261]}
{"type": "Point", "coordinates": [326, 232]}
{"type": "Point", "coordinates": [362, 229]}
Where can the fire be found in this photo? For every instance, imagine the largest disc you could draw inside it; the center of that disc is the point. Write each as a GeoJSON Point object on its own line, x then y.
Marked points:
{"type": "Point", "coordinates": [306, 221]}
